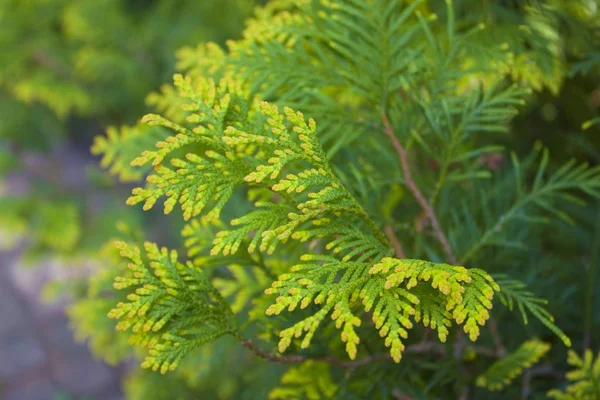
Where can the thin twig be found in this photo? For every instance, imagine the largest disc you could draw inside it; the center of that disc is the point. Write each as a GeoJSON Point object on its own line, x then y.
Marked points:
{"type": "Point", "coordinates": [403, 156]}
{"type": "Point", "coordinates": [591, 266]}
{"type": "Point", "coordinates": [542, 370]}
{"type": "Point", "coordinates": [459, 347]}
{"type": "Point", "coordinates": [546, 370]}
{"type": "Point", "coordinates": [430, 347]}
{"type": "Point", "coordinates": [526, 384]}
{"type": "Point", "coordinates": [484, 351]}
{"type": "Point", "coordinates": [493, 328]}
{"type": "Point", "coordinates": [398, 395]}
{"type": "Point", "coordinates": [396, 244]}
{"type": "Point", "coordinates": [420, 348]}
{"type": "Point", "coordinates": [51, 63]}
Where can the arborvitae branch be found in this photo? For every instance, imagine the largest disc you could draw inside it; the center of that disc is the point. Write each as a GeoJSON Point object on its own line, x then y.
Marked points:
{"type": "Point", "coordinates": [585, 378]}
{"type": "Point", "coordinates": [503, 371]}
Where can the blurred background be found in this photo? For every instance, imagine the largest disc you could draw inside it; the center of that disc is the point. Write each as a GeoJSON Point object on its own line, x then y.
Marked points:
{"type": "Point", "coordinates": [69, 69]}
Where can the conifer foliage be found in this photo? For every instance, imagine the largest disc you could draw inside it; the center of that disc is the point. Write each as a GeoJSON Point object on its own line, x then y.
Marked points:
{"type": "Point", "coordinates": [585, 377]}
{"type": "Point", "coordinates": [331, 168]}
{"type": "Point", "coordinates": [257, 145]}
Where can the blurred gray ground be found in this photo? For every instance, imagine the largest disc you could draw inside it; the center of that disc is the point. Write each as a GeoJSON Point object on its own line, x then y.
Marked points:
{"type": "Point", "coordinates": [39, 358]}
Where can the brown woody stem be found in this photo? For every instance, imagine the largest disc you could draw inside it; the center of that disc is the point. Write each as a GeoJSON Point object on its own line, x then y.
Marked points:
{"type": "Point", "coordinates": [416, 192]}
{"type": "Point", "coordinates": [420, 348]}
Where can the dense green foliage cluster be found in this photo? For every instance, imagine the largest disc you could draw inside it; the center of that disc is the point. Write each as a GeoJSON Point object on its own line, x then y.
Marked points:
{"type": "Point", "coordinates": [383, 199]}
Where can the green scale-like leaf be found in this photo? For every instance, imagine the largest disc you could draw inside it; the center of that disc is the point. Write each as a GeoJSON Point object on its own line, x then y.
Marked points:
{"type": "Point", "coordinates": [173, 308]}
{"type": "Point", "coordinates": [585, 378]}
{"type": "Point", "coordinates": [503, 371]}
